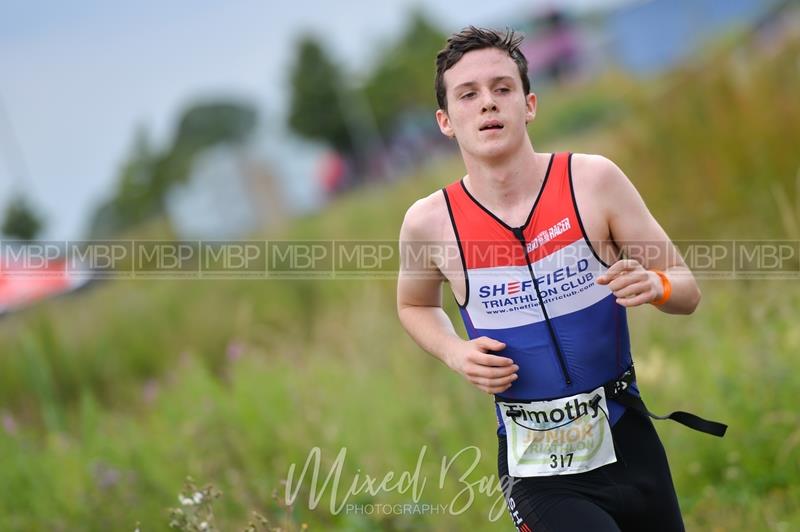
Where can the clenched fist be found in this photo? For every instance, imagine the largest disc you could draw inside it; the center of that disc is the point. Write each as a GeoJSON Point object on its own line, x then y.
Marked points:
{"type": "Point", "coordinates": [489, 373]}
{"type": "Point", "coordinates": [631, 283]}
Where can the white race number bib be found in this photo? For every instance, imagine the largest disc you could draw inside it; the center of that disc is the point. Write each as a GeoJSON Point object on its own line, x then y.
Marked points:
{"type": "Point", "coordinates": [558, 437]}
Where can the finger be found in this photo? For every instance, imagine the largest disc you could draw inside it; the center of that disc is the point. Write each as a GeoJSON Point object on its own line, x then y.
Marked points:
{"type": "Point", "coordinates": [621, 266]}
{"type": "Point", "coordinates": [491, 344]}
{"type": "Point", "coordinates": [641, 299]}
{"type": "Point", "coordinates": [501, 387]}
{"type": "Point", "coordinates": [490, 372]}
{"type": "Point", "coordinates": [505, 381]}
{"type": "Point", "coordinates": [493, 382]}
{"type": "Point", "coordinates": [617, 269]}
{"type": "Point", "coordinates": [483, 384]}
{"type": "Point", "coordinates": [633, 289]}
{"type": "Point", "coordinates": [627, 279]}
{"type": "Point", "coordinates": [619, 283]}
{"type": "Point", "coordinates": [485, 359]}
{"type": "Point", "coordinates": [622, 281]}
{"type": "Point", "coordinates": [494, 389]}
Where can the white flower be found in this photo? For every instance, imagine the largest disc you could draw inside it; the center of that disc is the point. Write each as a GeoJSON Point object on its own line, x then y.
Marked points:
{"type": "Point", "coordinates": [198, 497]}
{"type": "Point", "coordinates": [203, 526]}
{"type": "Point", "coordinates": [185, 501]}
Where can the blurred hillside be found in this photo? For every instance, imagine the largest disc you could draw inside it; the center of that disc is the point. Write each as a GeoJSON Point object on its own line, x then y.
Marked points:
{"type": "Point", "coordinates": [375, 125]}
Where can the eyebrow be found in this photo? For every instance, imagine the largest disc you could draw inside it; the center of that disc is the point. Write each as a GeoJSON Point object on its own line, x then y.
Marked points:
{"type": "Point", "coordinates": [494, 80]}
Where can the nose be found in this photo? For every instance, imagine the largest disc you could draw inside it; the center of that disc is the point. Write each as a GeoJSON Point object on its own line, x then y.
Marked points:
{"type": "Point", "coordinates": [488, 103]}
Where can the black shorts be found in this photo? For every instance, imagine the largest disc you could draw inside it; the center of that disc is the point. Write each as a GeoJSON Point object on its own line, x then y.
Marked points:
{"type": "Point", "coordinates": [634, 493]}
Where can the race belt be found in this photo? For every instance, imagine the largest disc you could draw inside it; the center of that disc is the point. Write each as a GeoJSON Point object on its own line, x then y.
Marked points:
{"type": "Point", "coordinates": [617, 390]}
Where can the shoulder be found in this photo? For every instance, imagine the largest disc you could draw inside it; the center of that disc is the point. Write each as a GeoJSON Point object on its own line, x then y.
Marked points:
{"type": "Point", "coordinates": [426, 218]}
{"type": "Point", "coordinates": [602, 180]}
{"type": "Point", "coordinates": [596, 171]}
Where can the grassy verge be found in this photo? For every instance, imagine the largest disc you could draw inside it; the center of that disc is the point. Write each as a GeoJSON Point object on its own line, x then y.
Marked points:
{"type": "Point", "coordinates": [109, 399]}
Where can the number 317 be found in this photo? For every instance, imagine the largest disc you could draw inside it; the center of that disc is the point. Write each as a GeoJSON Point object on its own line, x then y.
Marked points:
{"type": "Point", "coordinates": [560, 460]}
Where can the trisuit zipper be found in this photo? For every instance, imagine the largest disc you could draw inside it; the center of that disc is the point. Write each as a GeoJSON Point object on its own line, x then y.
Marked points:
{"type": "Point", "coordinates": [561, 361]}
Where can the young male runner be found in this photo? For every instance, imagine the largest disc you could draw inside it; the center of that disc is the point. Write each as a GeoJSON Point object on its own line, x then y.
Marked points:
{"type": "Point", "coordinates": [543, 294]}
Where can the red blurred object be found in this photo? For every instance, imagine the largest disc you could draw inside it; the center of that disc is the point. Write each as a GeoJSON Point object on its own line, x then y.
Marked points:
{"type": "Point", "coordinates": [333, 169]}
{"type": "Point", "coordinates": [21, 287]}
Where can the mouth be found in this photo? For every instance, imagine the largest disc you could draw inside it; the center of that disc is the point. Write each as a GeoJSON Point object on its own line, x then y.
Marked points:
{"type": "Point", "coordinates": [491, 125]}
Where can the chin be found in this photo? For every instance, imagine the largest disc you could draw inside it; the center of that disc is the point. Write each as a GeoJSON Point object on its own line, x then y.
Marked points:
{"type": "Point", "coordinates": [492, 152]}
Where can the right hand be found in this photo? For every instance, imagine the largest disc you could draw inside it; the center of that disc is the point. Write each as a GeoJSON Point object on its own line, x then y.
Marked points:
{"type": "Point", "coordinates": [489, 373]}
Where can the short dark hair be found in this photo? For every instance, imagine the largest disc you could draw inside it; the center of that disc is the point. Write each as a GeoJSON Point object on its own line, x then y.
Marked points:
{"type": "Point", "coordinates": [473, 38]}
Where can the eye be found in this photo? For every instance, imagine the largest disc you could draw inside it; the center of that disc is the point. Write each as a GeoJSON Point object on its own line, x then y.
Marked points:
{"type": "Point", "coordinates": [503, 90]}
{"type": "Point", "coordinates": [467, 95]}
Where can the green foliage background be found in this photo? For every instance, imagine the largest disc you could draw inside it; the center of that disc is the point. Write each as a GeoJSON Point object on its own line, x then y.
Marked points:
{"type": "Point", "coordinates": [20, 220]}
{"type": "Point", "coordinates": [111, 397]}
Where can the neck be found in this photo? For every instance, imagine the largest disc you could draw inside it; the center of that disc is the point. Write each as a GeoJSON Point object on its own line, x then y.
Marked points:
{"type": "Point", "coordinates": [505, 184]}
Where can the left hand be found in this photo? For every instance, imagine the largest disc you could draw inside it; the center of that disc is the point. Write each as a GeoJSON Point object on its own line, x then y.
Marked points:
{"type": "Point", "coordinates": [631, 283]}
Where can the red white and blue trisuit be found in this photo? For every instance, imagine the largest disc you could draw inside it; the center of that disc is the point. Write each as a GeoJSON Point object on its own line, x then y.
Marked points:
{"type": "Point", "coordinates": [534, 288]}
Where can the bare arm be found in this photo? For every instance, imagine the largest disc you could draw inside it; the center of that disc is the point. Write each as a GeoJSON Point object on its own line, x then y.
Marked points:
{"type": "Point", "coordinates": [419, 307]}
{"type": "Point", "coordinates": [646, 247]}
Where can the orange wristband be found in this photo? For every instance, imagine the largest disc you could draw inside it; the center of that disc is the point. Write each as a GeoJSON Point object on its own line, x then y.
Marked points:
{"type": "Point", "coordinates": [667, 288]}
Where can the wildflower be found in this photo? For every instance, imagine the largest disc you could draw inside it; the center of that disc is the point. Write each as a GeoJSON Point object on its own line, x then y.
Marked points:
{"type": "Point", "coordinates": [105, 476]}
{"type": "Point", "coordinates": [185, 501]}
{"type": "Point", "coordinates": [234, 351]}
{"type": "Point", "coordinates": [9, 424]}
{"type": "Point", "coordinates": [150, 391]}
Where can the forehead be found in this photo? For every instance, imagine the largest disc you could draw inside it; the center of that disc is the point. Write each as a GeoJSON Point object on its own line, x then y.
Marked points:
{"type": "Point", "coordinates": [479, 66]}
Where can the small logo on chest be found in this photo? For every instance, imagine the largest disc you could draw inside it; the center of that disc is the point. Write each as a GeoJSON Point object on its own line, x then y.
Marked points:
{"type": "Point", "coordinates": [549, 234]}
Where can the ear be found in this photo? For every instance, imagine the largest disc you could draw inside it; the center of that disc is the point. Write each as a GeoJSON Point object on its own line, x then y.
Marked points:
{"type": "Point", "coordinates": [444, 123]}
{"type": "Point", "coordinates": [530, 104]}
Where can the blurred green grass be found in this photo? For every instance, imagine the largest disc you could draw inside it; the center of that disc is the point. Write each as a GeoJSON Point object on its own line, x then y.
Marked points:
{"type": "Point", "coordinates": [110, 398]}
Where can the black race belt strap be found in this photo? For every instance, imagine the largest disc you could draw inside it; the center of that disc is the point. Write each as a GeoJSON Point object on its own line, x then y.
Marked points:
{"type": "Point", "coordinates": [618, 391]}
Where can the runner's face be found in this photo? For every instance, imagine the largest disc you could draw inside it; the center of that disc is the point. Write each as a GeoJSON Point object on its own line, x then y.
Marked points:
{"type": "Point", "coordinates": [487, 111]}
